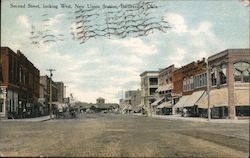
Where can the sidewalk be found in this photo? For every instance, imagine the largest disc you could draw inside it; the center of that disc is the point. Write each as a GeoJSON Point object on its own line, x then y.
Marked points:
{"type": "Point", "coordinates": [197, 119]}
{"type": "Point", "coordinates": [36, 119]}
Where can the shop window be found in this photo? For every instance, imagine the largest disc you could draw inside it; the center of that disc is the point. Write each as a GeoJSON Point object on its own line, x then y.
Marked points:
{"type": "Point", "coordinates": [223, 74]}
{"type": "Point", "coordinates": [1, 105]}
{"type": "Point", "coordinates": [242, 72]}
{"type": "Point", "coordinates": [242, 111]}
{"type": "Point", "coordinates": [214, 76]}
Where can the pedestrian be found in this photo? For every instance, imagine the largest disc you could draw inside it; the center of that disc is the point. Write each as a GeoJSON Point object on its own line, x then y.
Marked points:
{"type": "Point", "coordinates": [24, 111]}
{"type": "Point", "coordinates": [184, 112]}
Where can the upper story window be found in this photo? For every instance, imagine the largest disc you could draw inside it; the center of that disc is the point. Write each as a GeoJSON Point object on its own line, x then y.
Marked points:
{"type": "Point", "coordinates": [153, 81]}
{"type": "Point", "coordinates": [214, 76]}
{"type": "Point", "coordinates": [200, 80]}
{"type": "Point", "coordinates": [188, 84]}
{"type": "Point", "coordinates": [223, 74]}
{"type": "Point", "coordinates": [242, 72]}
{"type": "Point", "coordinates": [152, 91]}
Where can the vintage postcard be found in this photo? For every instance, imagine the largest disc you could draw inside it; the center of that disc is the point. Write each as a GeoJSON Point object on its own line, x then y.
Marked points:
{"type": "Point", "coordinates": [124, 78]}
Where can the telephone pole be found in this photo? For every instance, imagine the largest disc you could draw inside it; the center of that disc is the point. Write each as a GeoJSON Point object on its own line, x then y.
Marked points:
{"type": "Point", "coordinates": [50, 96]}
{"type": "Point", "coordinates": [208, 93]}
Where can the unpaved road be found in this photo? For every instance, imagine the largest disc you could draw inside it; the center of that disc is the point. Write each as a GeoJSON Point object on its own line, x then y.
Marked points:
{"type": "Point", "coordinates": [113, 135]}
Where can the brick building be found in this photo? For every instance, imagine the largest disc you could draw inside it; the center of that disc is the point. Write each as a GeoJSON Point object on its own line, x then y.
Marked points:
{"type": "Point", "coordinates": [149, 85]}
{"type": "Point", "coordinates": [45, 96]}
{"type": "Point", "coordinates": [189, 85]}
{"type": "Point", "coordinates": [60, 91]}
{"type": "Point", "coordinates": [20, 85]}
{"type": "Point", "coordinates": [163, 102]}
{"type": "Point", "coordinates": [229, 78]}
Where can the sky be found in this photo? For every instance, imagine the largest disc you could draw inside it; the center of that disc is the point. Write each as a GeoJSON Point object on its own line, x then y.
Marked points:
{"type": "Point", "coordinates": [104, 67]}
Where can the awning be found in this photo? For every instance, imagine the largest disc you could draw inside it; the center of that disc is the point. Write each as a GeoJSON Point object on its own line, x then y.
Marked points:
{"type": "Point", "coordinates": [164, 87]}
{"type": "Point", "coordinates": [41, 104]}
{"type": "Point", "coordinates": [242, 97]}
{"type": "Point", "coordinates": [165, 105]}
{"type": "Point", "coordinates": [137, 108]}
{"type": "Point", "coordinates": [193, 99]}
{"type": "Point", "coordinates": [155, 103]}
{"type": "Point", "coordinates": [218, 98]}
{"type": "Point", "coordinates": [182, 101]}
{"type": "Point", "coordinates": [127, 107]}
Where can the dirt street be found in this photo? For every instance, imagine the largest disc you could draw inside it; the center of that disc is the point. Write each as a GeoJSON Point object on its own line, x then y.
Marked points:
{"type": "Point", "coordinates": [115, 135]}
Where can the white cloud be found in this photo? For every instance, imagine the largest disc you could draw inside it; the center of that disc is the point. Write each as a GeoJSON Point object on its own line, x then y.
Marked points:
{"type": "Point", "coordinates": [201, 54]}
{"type": "Point", "coordinates": [205, 29]}
{"type": "Point", "coordinates": [24, 21]}
{"type": "Point", "coordinates": [177, 57]}
{"type": "Point", "coordinates": [54, 21]}
{"type": "Point", "coordinates": [203, 35]}
{"type": "Point", "coordinates": [136, 45]}
{"type": "Point", "coordinates": [246, 2]}
{"type": "Point", "coordinates": [177, 22]}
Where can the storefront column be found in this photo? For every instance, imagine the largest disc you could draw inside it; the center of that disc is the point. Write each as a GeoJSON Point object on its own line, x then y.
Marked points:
{"type": "Point", "coordinates": [230, 82]}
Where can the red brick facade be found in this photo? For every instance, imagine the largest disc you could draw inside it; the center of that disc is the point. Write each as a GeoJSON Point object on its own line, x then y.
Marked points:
{"type": "Point", "coordinates": [21, 80]}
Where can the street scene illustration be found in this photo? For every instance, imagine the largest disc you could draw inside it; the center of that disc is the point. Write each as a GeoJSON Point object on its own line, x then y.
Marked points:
{"type": "Point", "coordinates": [124, 78]}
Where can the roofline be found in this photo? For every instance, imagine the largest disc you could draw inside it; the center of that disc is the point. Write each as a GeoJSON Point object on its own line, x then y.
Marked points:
{"type": "Point", "coordinates": [148, 72]}
{"type": "Point", "coordinates": [225, 52]}
{"type": "Point", "coordinates": [171, 66]}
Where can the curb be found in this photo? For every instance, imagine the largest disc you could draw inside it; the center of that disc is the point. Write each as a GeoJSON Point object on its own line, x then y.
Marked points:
{"type": "Point", "coordinates": [198, 119]}
{"type": "Point", "coordinates": [36, 119]}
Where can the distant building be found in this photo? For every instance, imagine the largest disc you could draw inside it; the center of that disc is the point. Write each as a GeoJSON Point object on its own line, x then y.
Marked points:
{"type": "Point", "coordinates": [149, 85]}
{"type": "Point", "coordinates": [44, 92]}
{"type": "Point", "coordinates": [99, 106]}
{"type": "Point", "coordinates": [100, 100]}
{"type": "Point", "coordinates": [132, 100]}
{"type": "Point", "coordinates": [19, 86]}
{"type": "Point", "coordinates": [60, 91]}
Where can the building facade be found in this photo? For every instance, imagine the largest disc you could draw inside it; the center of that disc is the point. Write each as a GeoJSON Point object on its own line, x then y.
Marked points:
{"type": "Point", "coordinates": [189, 85]}
{"type": "Point", "coordinates": [60, 91]}
{"type": "Point", "coordinates": [45, 96]}
{"type": "Point", "coordinates": [164, 101]}
{"type": "Point", "coordinates": [20, 85]}
{"type": "Point", "coordinates": [149, 85]}
{"type": "Point", "coordinates": [229, 78]}
{"type": "Point", "coordinates": [132, 100]}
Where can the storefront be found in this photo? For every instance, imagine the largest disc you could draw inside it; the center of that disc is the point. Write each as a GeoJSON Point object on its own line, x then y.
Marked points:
{"type": "Point", "coordinates": [3, 102]}
{"type": "Point", "coordinates": [165, 108]}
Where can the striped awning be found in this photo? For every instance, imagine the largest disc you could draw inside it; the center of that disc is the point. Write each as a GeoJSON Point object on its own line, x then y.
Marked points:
{"type": "Point", "coordinates": [165, 105]}
{"type": "Point", "coordinates": [218, 98]}
{"type": "Point", "coordinates": [195, 96]}
{"type": "Point", "coordinates": [164, 87]}
{"type": "Point", "coordinates": [155, 103]}
{"type": "Point", "coordinates": [181, 102]}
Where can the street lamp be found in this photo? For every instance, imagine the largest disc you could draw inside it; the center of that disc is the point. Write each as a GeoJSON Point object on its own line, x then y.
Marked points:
{"type": "Point", "coordinates": [50, 97]}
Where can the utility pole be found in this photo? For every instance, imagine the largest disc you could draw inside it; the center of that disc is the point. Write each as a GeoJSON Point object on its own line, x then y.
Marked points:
{"type": "Point", "coordinates": [50, 97]}
{"type": "Point", "coordinates": [208, 92]}
{"type": "Point", "coordinates": [64, 95]}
